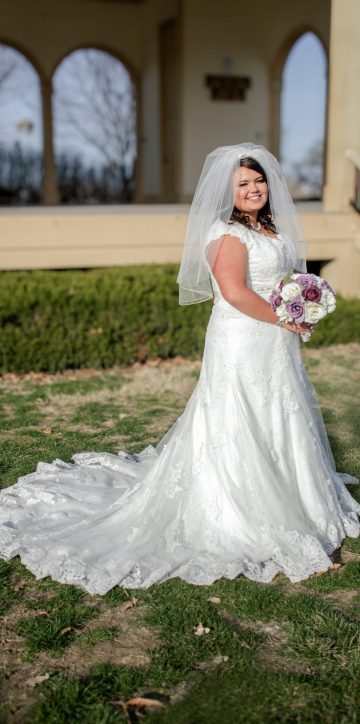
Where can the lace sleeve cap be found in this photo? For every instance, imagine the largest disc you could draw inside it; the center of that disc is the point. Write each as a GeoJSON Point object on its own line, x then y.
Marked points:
{"type": "Point", "coordinates": [220, 228]}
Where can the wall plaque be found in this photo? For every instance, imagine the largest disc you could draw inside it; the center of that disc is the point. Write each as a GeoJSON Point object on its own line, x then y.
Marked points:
{"type": "Point", "coordinates": [228, 87]}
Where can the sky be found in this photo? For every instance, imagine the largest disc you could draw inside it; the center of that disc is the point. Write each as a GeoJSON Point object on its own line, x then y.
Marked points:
{"type": "Point", "coordinates": [302, 102]}
{"type": "Point", "coordinates": [20, 101]}
{"type": "Point", "coordinates": [303, 99]}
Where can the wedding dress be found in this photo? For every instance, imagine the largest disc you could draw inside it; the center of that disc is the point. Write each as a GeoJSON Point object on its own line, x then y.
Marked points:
{"type": "Point", "coordinates": [243, 482]}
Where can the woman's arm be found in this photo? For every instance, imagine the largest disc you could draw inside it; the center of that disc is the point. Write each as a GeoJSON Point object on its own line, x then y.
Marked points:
{"type": "Point", "coordinates": [229, 269]}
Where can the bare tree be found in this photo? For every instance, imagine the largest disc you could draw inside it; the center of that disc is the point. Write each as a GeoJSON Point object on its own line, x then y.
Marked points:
{"type": "Point", "coordinates": [8, 67]}
{"type": "Point", "coordinates": [95, 106]}
{"type": "Point", "coordinates": [306, 177]}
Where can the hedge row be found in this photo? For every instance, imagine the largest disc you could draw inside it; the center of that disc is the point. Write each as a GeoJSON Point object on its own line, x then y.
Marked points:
{"type": "Point", "coordinates": [53, 320]}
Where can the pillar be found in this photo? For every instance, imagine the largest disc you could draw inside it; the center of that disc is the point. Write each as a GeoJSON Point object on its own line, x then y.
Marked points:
{"type": "Point", "coordinates": [50, 185]}
{"type": "Point", "coordinates": [344, 104]}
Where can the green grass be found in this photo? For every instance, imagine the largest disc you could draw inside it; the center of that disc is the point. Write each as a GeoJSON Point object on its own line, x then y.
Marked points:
{"type": "Point", "coordinates": [54, 631]}
{"type": "Point", "coordinates": [293, 650]}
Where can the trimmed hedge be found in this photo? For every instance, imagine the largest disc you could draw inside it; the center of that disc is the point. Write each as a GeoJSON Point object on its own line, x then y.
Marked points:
{"type": "Point", "coordinates": [53, 320]}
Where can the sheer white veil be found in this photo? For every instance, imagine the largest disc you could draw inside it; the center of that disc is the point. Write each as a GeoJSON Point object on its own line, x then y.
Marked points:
{"type": "Point", "coordinates": [214, 200]}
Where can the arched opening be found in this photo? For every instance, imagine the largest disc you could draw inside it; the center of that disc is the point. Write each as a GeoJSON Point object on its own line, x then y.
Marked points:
{"type": "Point", "coordinates": [94, 120]}
{"type": "Point", "coordinates": [303, 117]}
{"type": "Point", "coordinates": [21, 133]}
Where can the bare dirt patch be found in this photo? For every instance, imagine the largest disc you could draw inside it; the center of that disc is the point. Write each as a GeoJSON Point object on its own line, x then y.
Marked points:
{"type": "Point", "coordinates": [338, 364]}
{"type": "Point", "coordinates": [130, 645]}
{"type": "Point", "coordinates": [344, 598]}
{"type": "Point", "coordinates": [157, 380]}
{"type": "Point", "coordinates": [271, 652]}
{"type": "Point", "coordinates": [11, 379]}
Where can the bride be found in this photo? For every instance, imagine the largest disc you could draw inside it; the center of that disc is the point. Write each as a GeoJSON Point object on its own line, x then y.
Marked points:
{"type": "Point", "coordinates": [244, 481]}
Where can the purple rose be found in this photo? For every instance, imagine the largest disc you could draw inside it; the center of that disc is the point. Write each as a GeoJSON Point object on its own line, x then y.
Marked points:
{"type": "Point", "coordinates": [275, 300]}
{"type": "Point", "coordinates": [312, 294]}
{"type": "Point", "coordinates": [303, 280]}
{"type": "Point", "coordinates": [306, 280]}
{"type": "Point", "coordinates": [295, 309]}
{"type": "Point", "coordinates": [327, 288]}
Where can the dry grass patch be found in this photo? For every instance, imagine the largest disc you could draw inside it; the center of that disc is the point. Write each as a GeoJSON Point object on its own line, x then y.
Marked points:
{"type": "Point", "coordinates": [117, 637]}
{"type": "Point", "coordinates": [166, 384]}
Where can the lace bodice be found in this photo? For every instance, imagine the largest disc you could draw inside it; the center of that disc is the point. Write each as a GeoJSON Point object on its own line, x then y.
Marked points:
{"type": "Point", "coordinates": [270, 258]}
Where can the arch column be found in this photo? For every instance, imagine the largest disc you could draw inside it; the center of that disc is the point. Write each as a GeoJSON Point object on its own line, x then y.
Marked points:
{"type": "Point", "coordinates": [344, 103]}
{"type": "Point", "coordinates": [276, 83]}
{"type": "Point", "coordinates": [50, 185]}
{"type": "Point", "coordinates": [275, 107]}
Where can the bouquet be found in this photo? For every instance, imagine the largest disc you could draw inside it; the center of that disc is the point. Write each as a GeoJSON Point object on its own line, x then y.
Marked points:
{"type": "Point", "coordinates": [302, 298]}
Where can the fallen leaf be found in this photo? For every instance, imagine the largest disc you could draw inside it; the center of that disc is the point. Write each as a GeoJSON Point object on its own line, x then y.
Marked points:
{"type": "Point", "coordinates": [41, 613]}
{"type": "Point", "coordinates": [119, 704]}
{"type": "Point", "coordinates": [129, 604]}
{"type": "Point", "coordinates": [47, 431]}
{"type": "Point", "coordinates": [200, 630]}
{"type": "Point", "coordinates": [65, 630]}
{"type": "Point", "coordinates": [126, 605]}
{"type": "Point", "coordinates": [214, 599]}
{"type": "Point", "coordinates": [272, 629]}
{"type": "Point", "coordinates": [208, 665]}
{"type": "Point", "coordinates": [138, 702]}
{"type": "Point", "coordinates": [36, 680]}
{"type": "Point", "coordinates": [19, 586]}
{"type": "Point", "coordinates": [180, 692]}
{"type": "Point", "coordinates": [245, 645]}
{"type": "Point", "coordinates": [219, 659]}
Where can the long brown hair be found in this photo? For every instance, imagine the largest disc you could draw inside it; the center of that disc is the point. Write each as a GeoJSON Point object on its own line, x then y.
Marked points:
{"type": "Point", "coordinates": [264, 215]}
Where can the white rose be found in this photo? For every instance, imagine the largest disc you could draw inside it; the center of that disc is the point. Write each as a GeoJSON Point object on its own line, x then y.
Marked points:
{"type": "Point", "coordinates": [290, 291]}
{"type": "Point", "coordinates": [314, 312]}
{"type": "Point", "coordinates": [328, 299]}
{"type": "Point", "coordinates": [282, 313]}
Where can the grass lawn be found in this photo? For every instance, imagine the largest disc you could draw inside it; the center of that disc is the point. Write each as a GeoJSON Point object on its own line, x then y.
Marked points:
{"type": "Point", "coordinates": [278, 652]}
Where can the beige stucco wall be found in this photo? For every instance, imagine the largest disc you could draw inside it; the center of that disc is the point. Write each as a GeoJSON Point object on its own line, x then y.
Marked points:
{"type": "Point", "coordinates": [253, 35]}
{"type": "Point", "coordinates": [53, 238]}
{"type": "Point", "coordinates": [83, 237]}
{"type": "Point", "coordinates": [48, 30]}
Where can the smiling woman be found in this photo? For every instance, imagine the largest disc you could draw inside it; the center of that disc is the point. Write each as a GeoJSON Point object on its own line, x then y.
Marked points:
{"type": "Point", "coordinates": [251, 197]}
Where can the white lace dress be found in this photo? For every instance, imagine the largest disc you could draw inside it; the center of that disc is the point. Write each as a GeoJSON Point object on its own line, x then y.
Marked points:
{"type": "Point", "coordinates": [244, 481]}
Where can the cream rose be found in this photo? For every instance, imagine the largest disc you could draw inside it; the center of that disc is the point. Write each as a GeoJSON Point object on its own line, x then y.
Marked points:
{"type": "Point", "coordinates": [290, 291]}
{"type": "Point", "coordinates": [281, 312]}
{"type": "Point", "coordinates": [314, 312]}
{"type": "Point", "coordinates": [329, 301]}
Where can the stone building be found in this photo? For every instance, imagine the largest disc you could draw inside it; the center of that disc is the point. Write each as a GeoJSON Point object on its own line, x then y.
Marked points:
{"type": "Point", "coordinates": [207, 73]}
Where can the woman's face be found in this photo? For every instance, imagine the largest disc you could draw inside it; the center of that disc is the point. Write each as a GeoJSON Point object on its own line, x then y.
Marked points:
{"type": "Point", "coordinates": [250, 190]}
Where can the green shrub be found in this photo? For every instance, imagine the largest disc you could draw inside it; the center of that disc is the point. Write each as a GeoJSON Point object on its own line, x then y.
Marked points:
{"type": "Point", "coordinates": [53, 320]}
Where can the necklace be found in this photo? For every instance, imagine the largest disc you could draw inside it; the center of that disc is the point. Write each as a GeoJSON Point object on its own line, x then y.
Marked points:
{"type": "Point", "coordinates": [256, 226]}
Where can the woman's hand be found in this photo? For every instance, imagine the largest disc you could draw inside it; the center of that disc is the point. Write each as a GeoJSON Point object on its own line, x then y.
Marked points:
{"type": "Point", "coordinates": [302, 328]}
